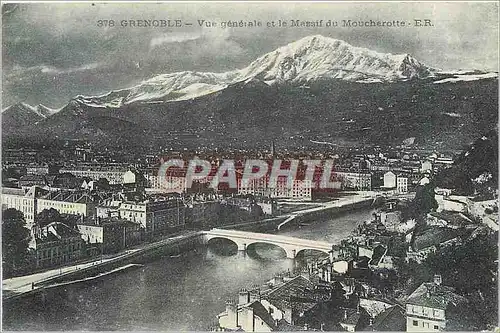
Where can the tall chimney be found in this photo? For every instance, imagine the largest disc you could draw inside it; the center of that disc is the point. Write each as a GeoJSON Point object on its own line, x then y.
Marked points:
{"type": "Point", "coordinates": [255, 294]}
{"type": "Point", "coordinates": [243, 296]}
{"type": "Point", "coordinates": [437, 279]}
{"type": "Point", "coordinates": [232, 313]}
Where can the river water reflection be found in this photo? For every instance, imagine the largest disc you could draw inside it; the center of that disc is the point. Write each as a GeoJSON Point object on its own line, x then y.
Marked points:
{"type": "Point", "coordinates": [173, 293]}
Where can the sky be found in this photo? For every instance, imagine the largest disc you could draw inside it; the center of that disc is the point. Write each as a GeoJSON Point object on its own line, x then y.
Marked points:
{"type": "Point", "coordinates": [53, 52]}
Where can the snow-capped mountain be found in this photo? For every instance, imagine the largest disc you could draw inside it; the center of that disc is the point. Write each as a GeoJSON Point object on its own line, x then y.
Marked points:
{"type": "Point", "coordinates": [301, 94]}
{"type": "Point", "coordinates": [308, 59]}
{"type": "Point", "coordinates": [20, 115]}
{"type": "Point", "coordinates": [24, 109]}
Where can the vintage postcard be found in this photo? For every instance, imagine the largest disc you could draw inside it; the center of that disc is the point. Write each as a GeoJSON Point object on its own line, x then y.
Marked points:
{"type": "Point", "coordinates": [250, 166]}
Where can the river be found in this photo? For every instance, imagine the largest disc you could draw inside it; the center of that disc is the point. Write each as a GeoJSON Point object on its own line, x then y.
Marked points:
{"type": "Point", "coordinates": [172, 293]}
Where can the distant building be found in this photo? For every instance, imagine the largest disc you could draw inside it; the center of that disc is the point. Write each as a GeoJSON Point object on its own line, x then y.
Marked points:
{"type": "Point", "coordinates": [299, 189]}
{"type": "Point", "coordinates": [134, 177]}
{"type": "Point", "coordinates": [32, 180]}
{"type": "Point", "coordinates": [426, 166]}
{"type": "Point", "coordinates": [389, 180]}
{"type": "Point", "coordinates": [424, 181]}
{"type": "Point", "coordinates": [41, 169]}
{"type": "Point", "coordinates": [444, 160]}
{"type": "Point", "coordinates": [402, 185]}
{"type": "Point", "coordinates": [428, 307]}
{"type": "Point", "coordinates": [168, 184]}
{"type": "Point", "coordinates": [113, 175]}
{"type": "Point", "coordinates": [361, 181]}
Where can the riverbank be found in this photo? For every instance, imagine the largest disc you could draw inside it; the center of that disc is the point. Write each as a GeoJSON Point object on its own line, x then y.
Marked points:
{"type": "Point", "coordinates": [359, 201]}
{"type": "Point", "coordinates": [16, 287]}
{"type": "Point", "coordinates": [179, 293]}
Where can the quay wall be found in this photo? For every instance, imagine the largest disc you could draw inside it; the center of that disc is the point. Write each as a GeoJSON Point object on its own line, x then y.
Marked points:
{"type": "Point", "coordinates": [152, 252]}
{"type": "Point", "coordinates": [149, 253]}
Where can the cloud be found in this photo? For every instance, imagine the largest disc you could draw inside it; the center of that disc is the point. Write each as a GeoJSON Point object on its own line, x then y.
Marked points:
{"type": "Point", "coordinates": [83, 68]}
{"type": "Point", "coordinates": [18, 70]}
{"type": "Point", "coordinates": [173, 38]}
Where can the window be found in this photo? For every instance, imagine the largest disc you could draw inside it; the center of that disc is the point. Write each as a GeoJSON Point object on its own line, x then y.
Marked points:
{"type": "Point", "coordinates": [436, 327]}
{"type": "Point", "coordinates": [415, 323]}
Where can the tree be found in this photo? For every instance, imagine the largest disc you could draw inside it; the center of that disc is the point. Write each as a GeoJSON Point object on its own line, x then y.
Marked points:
{"type": "Point", "coordinates": [470, 268]}
{"type": "Point", "coordinates": [15, 241]}
{"type": "Point", "coordinates": [423, 203]}
{"type": "Point", "coordinates": [48, 216]}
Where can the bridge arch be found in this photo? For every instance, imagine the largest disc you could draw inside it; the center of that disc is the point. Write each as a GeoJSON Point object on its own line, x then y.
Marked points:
{"type": "Point", "coordinates": [312, 249]}
{"type": "Point", "coordinates": [241, 244]}
{"type": "Point", "coordinates": [216, 238]}
{"type": "Point", "coordinates": [255, 242]}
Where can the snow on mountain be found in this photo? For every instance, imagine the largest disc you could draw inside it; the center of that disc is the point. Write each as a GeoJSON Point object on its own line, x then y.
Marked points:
{"type": "Point", "coordinates": [310, 58]}
{"type": "Point", "coordinates": [25, 109]}
{"type": "Point", "coordinates": [317, 57]}
{"type": "Point", "coordinates": [45, 111]}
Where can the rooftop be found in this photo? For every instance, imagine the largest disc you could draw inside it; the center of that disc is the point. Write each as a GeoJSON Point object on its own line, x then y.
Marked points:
{"type": "Point", "coordinates": [435, 296]}
{"type": "Point", "coordinates": [392, 319]}
{"type": "Point", "coordinates": [261, 312]}
{"type": "Point", "coordinates": [436, 235]}
{"type": "Point", "coordinates": [296, 294]}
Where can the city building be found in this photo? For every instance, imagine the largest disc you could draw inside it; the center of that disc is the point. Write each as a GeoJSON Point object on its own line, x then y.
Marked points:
{"type": "Point", "coordinates": [389, 180]}
{"type": "Point", "coordinates": [109, 235]}
{"type": "Point", "coordinates": [112, 174]}
{"type": "Point", "coordinates": [55, 244]}
{"type": "Point", "coordinates": [298, 189]}
{"type": "Point", "coordinates": [289, 300]}
{"type": "Point", "coordinates": [426, 167]}
{"type": "Point", "coordinates": [361, 181]}
{"type": "Point", "coordinates": [427, 308]}
{"type": "Point", "coordinates": [424, 181]}
{"type": "Point", "coordinates": [32, 180]}
{"type": "Point", "coordinates": [155, 216]}
{"type": "Point", "coordinates": [168, 184]}
{"type": "Point", "coordinates": [68, 202]}
{"type": "Point", "coordinates": [24, 200]}
{"type": "Point", "coordinates": [41, 169]}
{"type": "Point", "coordinates": [134, 177]}
{"type": "Point", "coordinates": [402, 185]}
{"type": "Point", "coordinates": [247, 317]}
{"type": "Point", "coordinates": [354, 319]}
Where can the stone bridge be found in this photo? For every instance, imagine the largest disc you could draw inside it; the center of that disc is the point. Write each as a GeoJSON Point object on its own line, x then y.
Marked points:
{"type": "Point", "coordinates": [291, 245]}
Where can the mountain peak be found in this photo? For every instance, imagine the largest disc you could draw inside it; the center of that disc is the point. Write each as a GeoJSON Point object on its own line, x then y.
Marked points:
{"type": "Point", "coordinates": [308, 59]}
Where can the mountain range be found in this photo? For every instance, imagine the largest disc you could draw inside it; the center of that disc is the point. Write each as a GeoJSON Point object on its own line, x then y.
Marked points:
{"type": "Point", "coordinates": [316, 90]}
